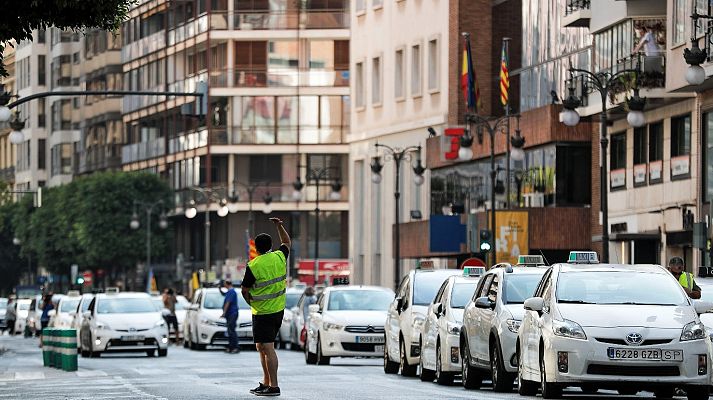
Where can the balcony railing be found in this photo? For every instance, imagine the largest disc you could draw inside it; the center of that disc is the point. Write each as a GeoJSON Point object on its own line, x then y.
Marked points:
{"type": "Point", "coordinates": [188, 141]}
{"type": "Point", "coordinates": [143, 150]}
{"type": "Point", "coordinates": [576, 5]}
{"type": "Point", "coordinates": [133, 103]}
{"type": "Point", "coordinates": [188, 29]}
{"type": "Point", "coordinates": [240, 77]}
{"type": "Point", "coordinates": [143, 46]}
{"type": "Point", "coordinates": [98, 158]}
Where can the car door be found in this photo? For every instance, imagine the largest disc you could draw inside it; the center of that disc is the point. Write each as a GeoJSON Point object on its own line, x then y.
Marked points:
{"type": "Point", "coordinates": [486, 321]}
{"type": "Point", "coordinates": [393, 320]}
{"type": "Point", "coordinates": [315, 323]}
{"type": "Point", "coordinates": [469, 313]}
{"type": "Point", "coordinates": [475, 344]}
{"type": "Point", "coordinates": [431, 327]}
{"type": "Point", "coordinates": [532, 331]}
{"type": "Point", "coordinates": [87, 325]}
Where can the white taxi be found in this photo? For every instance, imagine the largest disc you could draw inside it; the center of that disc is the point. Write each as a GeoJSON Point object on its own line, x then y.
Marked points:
{"type": "Point", "coordinates": [406, 316]}
{"type": "Point", "coordinates": [204, 326]}
{"type": "Point", "coordinates": [78, 317]}
{"type": "Point", "coordinates": [22, 310]}
{"type": "Point", "coordinates": [62, 316]}
{"type": "Point", "coordinates": [123, 322]}
{"type": "Point", "coordinates": [347, 321]}
{"type": "Point", "coordinates": [623, 327]}
{"type": "Point", "coordinates": [440, 346]}
{"type": "Point", "coordinates": [491, 322]}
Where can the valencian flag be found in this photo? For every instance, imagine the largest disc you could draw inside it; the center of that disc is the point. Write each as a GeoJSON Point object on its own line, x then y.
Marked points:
{"type": "Point", "coordinates": [504, 75]}
{"type": "Point", "coordinates": [468, 79]}
{"type": "Point", "coordinates": [250, 250]}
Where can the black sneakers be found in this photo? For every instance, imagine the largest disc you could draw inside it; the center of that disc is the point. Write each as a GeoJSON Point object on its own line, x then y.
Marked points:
{"type": "Point", "coordinates": [260, 388]}
{"type": "Point", "coordinates": [268, 391]}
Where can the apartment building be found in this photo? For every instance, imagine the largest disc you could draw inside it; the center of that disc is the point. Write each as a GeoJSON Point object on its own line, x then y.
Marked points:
{"type": "Point", "coordinates": [278, 106]}
{"type": "Point", "coordinates": [7, 149]}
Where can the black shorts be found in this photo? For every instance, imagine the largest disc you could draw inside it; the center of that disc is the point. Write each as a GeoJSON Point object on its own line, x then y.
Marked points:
{"type": "Point", "coordinates": [266, 327]}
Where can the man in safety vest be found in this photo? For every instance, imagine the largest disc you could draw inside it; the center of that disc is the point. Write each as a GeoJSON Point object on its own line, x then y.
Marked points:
{"type": "Point", "coordinates": [675, 265]}
{"type": "Point", "coordinates": [264, 288]}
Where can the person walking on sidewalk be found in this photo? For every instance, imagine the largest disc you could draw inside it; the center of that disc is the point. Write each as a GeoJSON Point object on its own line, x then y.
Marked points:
{"type": "Point", "coordinates": [10, 314]}
{"type": "Point", "coordinates": [230, 312]}
{"type": "Point", "coordinates": [264, 288]}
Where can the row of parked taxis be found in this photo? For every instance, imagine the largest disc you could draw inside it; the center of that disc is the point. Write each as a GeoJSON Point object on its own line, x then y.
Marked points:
{"type": "Point", "coordinates": [539, 328]}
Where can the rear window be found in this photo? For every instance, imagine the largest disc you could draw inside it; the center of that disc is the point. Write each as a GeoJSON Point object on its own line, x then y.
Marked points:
{"type": "Point", "coordinates": [426, 284]}
{"type": "Point", "coordinates": [68, 306]}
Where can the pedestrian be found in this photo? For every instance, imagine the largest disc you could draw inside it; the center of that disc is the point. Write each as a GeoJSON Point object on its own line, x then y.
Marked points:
{"type": "Point", "coordinates": [676, 266]}
{"type": "Point", "coordinates": [230, 313]}
{"type": "Point", "coordinates": [11, 314]}
{"type": "Point", "coordinates": [647, 41]}
{"type": "Point", "coordinates": [47, 306]}
{"type": "Point", "coordinates": [169, 304]}
{"type": "Point", "coordinates": [264, 288]}
{"type": "Point", "coordinates": [310, 298]}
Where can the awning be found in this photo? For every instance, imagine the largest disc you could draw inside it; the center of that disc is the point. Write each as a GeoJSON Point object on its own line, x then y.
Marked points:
{"type": "Point", "coordinates": [627, 237]}
{"type": "Point", "coordinates": [679, 238]}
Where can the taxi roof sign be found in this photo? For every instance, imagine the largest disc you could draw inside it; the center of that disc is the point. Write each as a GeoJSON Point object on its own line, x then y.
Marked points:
{"type": "Point", "coordinates": [530, 260]}
{"type": "Point", "coordinates": [583, 257]}
{"type": "Point", "coordinates": [425, 264]}
{"type": "Point", "coordinates": [473, 271]}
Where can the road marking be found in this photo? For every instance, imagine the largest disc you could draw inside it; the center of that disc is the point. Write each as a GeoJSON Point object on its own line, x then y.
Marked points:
{"type": "Point", "coordinates": [23, 376]}
{"type": "Point", "coordinates": [90, 373]}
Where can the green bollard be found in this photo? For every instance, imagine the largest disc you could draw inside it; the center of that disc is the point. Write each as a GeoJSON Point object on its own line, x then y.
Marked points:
{"type": "Point", "coordinates": [50, 343]}
{"type": "Point", "coordinates": [68, 349]}
{"type": "Point", "coordinates": [45, 348]}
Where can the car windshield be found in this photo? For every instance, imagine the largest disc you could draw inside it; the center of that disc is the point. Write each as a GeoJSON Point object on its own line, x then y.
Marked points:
{"type": "Point", "coordinates": [519, 287]}
{"type": "Point", "coordinates": [68, 305]}
{"type": "Point", "coordinates": [3, 303]}
{"type": "Point", "coordinates": [618, 287]}
{"type": "Point", "coordinates": [214, 301]}
{"type": "Point", "coordinates": [85, 304]}
{"type": "Point", "coordinates": [23, 306]}
{"type": "Point", "coordinates": [127, 305]}
{"type": "Point", "coordinates": [292, 299]}
{"type": "Point", "coordinates": [367, 300]}
{"type": "Point", "coordinates": [461, 294]}
{"type": "Point", "coordinates": [426, 284]}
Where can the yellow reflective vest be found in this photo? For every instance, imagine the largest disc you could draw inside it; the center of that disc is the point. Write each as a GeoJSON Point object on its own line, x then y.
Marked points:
{"type": "Point", "coordinates": [268, 292]}
{"type": "Point", "coordinates": [686, 280]}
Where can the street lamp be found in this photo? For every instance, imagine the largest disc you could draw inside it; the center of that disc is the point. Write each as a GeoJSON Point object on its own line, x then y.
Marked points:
{"type": "Point", "coordinates": [149, 209]}
{"type": "Point", "coordinates": [695, 74]}
{"type": "Point", "coordinates": [603, 82]}
{"type": "Point", "coordinates": [250, 189]}
{"type": "Point", "coordinates": [16, 126]}
{"type": "Point", "coordinates": [397, 155]}
{"type": "Point", "coordinates": [318, 175]}
{"type": "Point", "coordinates": [190, 213]}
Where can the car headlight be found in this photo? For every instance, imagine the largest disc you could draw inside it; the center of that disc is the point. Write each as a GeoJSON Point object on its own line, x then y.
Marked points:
{"type": "Point", "coordinates": [101, 325]}
{"type": "Point", "coordinates": [160, 324]}
{"type": "Point", "coordinates": [567, 328]}
{"type": "Point", "coordinates": [418, 321]}
{"type": "Point", "coordinates": [453, 328]}
{"type": "Point", "coordinates": [207, 321]}
{"type": "Point", "coordinates": [513, 325]}
{"type": "Point", "coordinates": [693, 331]}
{"type": "Point", "coordinates": [328, 326]}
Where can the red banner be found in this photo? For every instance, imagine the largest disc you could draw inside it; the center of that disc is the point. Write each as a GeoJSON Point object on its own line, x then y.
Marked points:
{"type": "Point", "coordinates": [328, 269]}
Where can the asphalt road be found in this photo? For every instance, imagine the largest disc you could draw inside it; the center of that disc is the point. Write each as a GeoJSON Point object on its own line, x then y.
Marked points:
{"type": "Point", "coordinates": [212, 374]}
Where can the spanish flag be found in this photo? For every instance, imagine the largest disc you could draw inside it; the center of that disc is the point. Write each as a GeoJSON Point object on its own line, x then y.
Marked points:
{"type": "Point", "coordinates": [469, 81]}
{"type": "Point", "coordinates": [504, 75]}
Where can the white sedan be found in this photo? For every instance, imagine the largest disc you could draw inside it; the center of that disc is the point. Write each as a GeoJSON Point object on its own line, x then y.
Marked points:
{"type": "Point", "coordinates": [123, 322]}
{"type": "Point", "coordinates": [623, 327]}
{"type": "Point", "coordinates": [204, 325]}
{"type": "Point", "coordinates": [62, 316]}
{"type": "Point", "coordinates": [347, 321]}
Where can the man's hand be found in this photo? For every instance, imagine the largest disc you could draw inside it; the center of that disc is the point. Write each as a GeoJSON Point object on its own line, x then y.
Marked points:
{"type": "Point", "coordinates": [276, 221]}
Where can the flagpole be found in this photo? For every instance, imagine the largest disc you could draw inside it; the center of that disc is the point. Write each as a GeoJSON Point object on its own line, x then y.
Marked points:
{"type": "Point", "coordinates": [506, 50]}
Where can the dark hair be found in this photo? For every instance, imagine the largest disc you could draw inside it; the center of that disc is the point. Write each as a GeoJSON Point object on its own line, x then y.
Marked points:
{"type": "Point", "coordinates": [228, 282]}
{"type": "Point", "coordinates": [675, 261]}
{"type": "Point", "coordinates": [263, 243]}
{"type": "Point", "coordinates": [170, 291]}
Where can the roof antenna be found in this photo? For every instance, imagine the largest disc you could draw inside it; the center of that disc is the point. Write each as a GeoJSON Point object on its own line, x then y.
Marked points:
{"type": "Point", "coordinates": [543, 256]}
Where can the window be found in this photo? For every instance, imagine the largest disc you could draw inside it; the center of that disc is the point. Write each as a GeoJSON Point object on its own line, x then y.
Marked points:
{"type": "Point", "coordinates": [376, 81]}
{"type": "Point", "coordinates": [41, 70]}
{"type": "Point", "coordinates": [41, 113]}
{"type": "Point", "coordinates": [416, 70]}
{"type": "Point", "coordinates": [399, 74]}
{"type": "Point", "coordinates": [265, 168]}
{"type": "Point", "coordinates": [640, 150]}
{"type": "Point", "coordinates": [680, 19]}
{"type": "Point", "coordinates": [494, 288]}
{"type": "Point", "coordinates": [40, 36]}
{"type": "Point", "coordinates": [62, 115]}
{"type": "Point", "coordinates": [680, 146]}
{"type": "Point", "coordinates": [41, 153]}
{"type": "Point", "coordinates": [433, 61]}
{"type": "Point", "coordinates": [377, 3]}
{"type": "Point", "coordinates": [617, 161]}
{"type": "Point", "coordinates": [655, 152]}
{"type": "Point", "coordinates": [359, 84]}
{"type": "Point", "coordinates": [61, 159]}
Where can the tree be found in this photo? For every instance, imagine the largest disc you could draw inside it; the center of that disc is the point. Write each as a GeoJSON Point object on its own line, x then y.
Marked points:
{"type": "Point", "coordinates": [20, 17]}
{"type": "Point", "coordinates": [10, 263]}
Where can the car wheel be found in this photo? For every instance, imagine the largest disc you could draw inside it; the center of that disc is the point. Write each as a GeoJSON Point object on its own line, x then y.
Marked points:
{"type": "Point", "coordinates": [406, 368]}
{"type": "Point", "coordinates": [549, 390]}
{"type": "Point", "coordinates": [664, 393]}
{"type": "Point", "coordinates": [150, 353]}
{"type": "Point", "coordinates": [472, 379]}
{"type": "Point", "coordinates": [426, 375]}
{"type": "Point", "coordinates": [321, 358]}
{"type": "Point", "coordinates": [524, 387]}
{"type": "Point", "coordinates": [697, 392]}
{"type": "Point", "coordinates": [442, 377]}
{"type": "Point", "coordinates": [390, 367]}
{"type": "Point", "coordinates": [310, 358]}
{"type": "Point", "coordinates": [502, 380]}
{"type": "Point", "coordinates": [162, 352]}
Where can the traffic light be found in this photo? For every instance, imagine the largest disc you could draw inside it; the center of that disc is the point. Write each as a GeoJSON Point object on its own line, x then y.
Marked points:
{"type": "Point", "coordinates": [486, 241]}
{"type": "Point", "coordinates": [80, 280]}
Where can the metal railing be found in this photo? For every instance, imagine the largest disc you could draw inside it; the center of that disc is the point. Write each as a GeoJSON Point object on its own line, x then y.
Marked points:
{"type": "Point", "coordinates": [573, 6]}
{"type": "Point", "coordinates": [143, 150]}
{"type": "Point", "coordinates": [241, 77]}
{"type": "Point", "coordinates": [98, 158]}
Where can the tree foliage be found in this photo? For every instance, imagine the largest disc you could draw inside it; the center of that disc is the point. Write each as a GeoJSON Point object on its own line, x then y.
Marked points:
{"type": "Point", "coordinates": [20, 17]}
{"type": "Point", "coordinates": [10, 263]}
{"type": "Point", "coordinates": [87, 221]}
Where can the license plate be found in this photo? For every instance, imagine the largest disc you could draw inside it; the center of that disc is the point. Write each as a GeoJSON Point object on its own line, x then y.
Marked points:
{"type": "Point", "coordinates": [132, 338]}
{"type": "Point", "coordinates": [379, 349]}
{"type": "Point", "coordinates": [644, 354]}
{"type": "Point", "coordinates": [370, 339]}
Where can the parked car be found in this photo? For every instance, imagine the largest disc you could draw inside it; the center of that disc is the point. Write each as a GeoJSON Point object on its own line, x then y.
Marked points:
{"type": "Point", "coordinates": [3, 310]}
{"type": "Point", "coordinates": [78, 317]}
{"type": "Point", "coordinates": [22, 309]}
{"type": "Point", "coordinates": [32, 320]}
{"type": "Point", "coordinates": [204, 325]}
{"type": "Point", "coordinates": [298, 324]}
{"type": "Point", "coordinates": [285, 335]}
{"type": "Point", "coordinates": [62, 316]}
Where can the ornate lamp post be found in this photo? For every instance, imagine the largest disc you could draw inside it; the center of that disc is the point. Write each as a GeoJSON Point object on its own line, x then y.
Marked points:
{"type": "Point", "coordinates": [149, 208]}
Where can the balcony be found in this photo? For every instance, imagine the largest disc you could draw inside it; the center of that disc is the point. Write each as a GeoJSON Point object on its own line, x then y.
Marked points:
{"type": "Point", "coordinates": [98, 158]}
{"type": "Point", "coordinates": [254, 78]}
{"type": "Point", "coordinates": [143, 150]}
{"type": "Point", "coordinates": [7, 174]}
{"type": "Point", "coordinates": [188, 141]}
{"type": "Point", "coordinates": [188, 29]}
{"type": "Point", "coordinates": [577, 14]}
{"type": "Point", "coordinates": [143, 46]}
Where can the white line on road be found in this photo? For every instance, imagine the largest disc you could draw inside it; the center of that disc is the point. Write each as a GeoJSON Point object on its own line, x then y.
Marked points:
{"type": "Point", "coordinates": [22, 376]}
{"type": "Point", "coordinates": [90, 373]}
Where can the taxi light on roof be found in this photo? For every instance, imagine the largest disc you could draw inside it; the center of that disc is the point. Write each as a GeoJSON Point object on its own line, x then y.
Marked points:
{"type": "Point", "coordinates": [112, 290]}
{"type": "Point", "coordinates": [583, 257]}
{"type": "Point", "coordinates": [73, 293]}
{"type": "Point", "coordinates": [425, 264]}
{"type": "Point", "coordinates": [473, 271]}
{"type": "Point", "coordinates": [530, 260]}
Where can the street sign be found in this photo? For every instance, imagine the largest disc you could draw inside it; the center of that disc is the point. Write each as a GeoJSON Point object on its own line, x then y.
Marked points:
{"type": "Point", "coordinates": [473, 262]}
{"type": "Point", "coordinates": [87, 275]}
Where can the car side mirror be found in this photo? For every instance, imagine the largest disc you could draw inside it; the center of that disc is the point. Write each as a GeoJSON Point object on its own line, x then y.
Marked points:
{"type": "Point", "coordinates": [702, 306]}
{"type": "Point", "coordinates": [534, 304]}
{"type": "Point", "coordinates": [399, 304]}
{"type": "Point", "coordinates": [440, 310]}
{"type": "Point", "coordinates": [313, 308]}
{"type": "Point", "coordinates": [484, 303]}
{"type": "Point", "coordinates": [193, 307]}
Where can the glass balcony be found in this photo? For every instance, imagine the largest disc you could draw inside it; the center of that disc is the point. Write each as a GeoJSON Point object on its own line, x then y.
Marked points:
{"type": "Point", "coordinates": [143, 46]}
{"type": "Point", "coordinates": [249, 78]}
{"type": "Point", "coordinates": [189, 141]}
{"type": "Point", "coordinates": [577, 14]}
{"type": "Point", "coordinates": [143, 150]}
{"type": "Point", "coordinates": [98, 158]}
